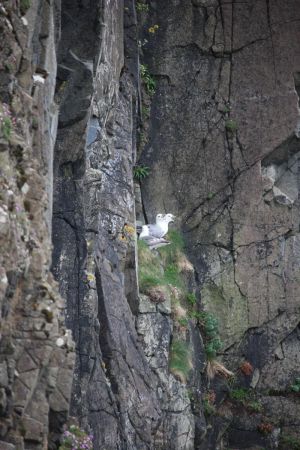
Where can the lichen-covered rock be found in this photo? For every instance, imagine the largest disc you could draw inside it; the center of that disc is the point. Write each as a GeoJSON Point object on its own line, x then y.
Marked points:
{"type": "Point", "coordinates": [31, 308]}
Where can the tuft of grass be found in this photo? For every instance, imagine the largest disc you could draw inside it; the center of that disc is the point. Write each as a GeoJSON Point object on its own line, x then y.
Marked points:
{"type": "Point", "coordinates": [6, 127]}
{"type": "Point", "coordinates": [171, 254]}
{"type": "Point", "coordinates": [150, 270]}
{"type": "Point", "coordinates": [24, 5]}
{"type": "Point", "coordinates": [295, 387]}
{"type": "Point", "coordinates": [148, 80]}
{"type": "Point", "coordinates": [148, 281]}
{"type": "Point", "coordinates": [140, 172]}
{"type": "Point", "coordinates": [191, 298]}
{"type": "Point", "coordinates": [208, 408]}
{"type": "Point", "coordinates": [146, 111]}
{"type": "Point", "coordinates": [172, 276]}
{"type": "Point", "coordinates": [255, 406]}
{"type": "Point", "coordinates": [180, 362]}
{"type": "Point", "coordinates": [142, 7]}
{"type": "Point", "coordinates": [241, 395]}
{"type": "Point", "coordinates": [287, 441]}
{"type": "Point", "coordinates": [231, 125]}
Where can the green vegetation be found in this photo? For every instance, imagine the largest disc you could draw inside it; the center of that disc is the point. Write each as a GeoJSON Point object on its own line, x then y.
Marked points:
{"type": "Point", "coordinates": [247, 398]}
{"type": "Point", "coordinates": [24, 5]}
{"type": "Point", "coordinates": [76, 439]}
{"type": "Point", "coordinates": [180, 363]}
{"type": "Point", "coordinates": [150, 270]}
{"type": "Point", "coordinates": [183, 321]}
{"type": "Point", "coordinates": [231, 125]}
{"type": "Point", "coordinates": [255, 406]}
{"type": "Point", "coordinates": [152, 274]}
{"type": "Point", "coordinates": [148, 80]}
{"type": "Point", "coordinates": [287, 441]}
{"type": "Point", "coordinates": [140, 172]}
{"type": "Point", "coordinates": [209, 409]}
{"type": "Point", "coordinates": [209, 323]}
{"type": "Point", "coordinates": [295, 387]}
{"type": "Point", "coordinates": [191, 298]}
{"type": "Point", "coordinates": [168, 269]}
{"type": "Point", "coordinates": [240, 395]}
{"type": "Point", "coordinates": [171, 254]}
{"type": "Point", "coordinates": [146, 111]}
{"type": "Point", "coordinates": [142, 7]}
{"type": "Point", "coordinates": [210, 195]}
{"type": "Point", "coordinates": [172, 275]}
{"type": "Point", "coordinates": [6, 127]}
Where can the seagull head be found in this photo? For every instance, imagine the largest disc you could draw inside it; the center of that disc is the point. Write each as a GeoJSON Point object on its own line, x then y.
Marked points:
{"type": "Point", "coordinates": [159, 217]}
{"type": "Point", "coordinates": [169, 218]}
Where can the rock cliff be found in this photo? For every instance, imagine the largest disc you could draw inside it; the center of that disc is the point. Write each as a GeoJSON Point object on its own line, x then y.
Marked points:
{"type": "Point", "coordinates": [201, 95]}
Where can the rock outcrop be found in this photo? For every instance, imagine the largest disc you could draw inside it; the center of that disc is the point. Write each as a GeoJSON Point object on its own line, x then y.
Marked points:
{"type": "Point", "coordinates": [36, 351]}
{"type": "Point", "coordinates": [203, 96]}
{"type": "Point", "coordinates": [223, 152]}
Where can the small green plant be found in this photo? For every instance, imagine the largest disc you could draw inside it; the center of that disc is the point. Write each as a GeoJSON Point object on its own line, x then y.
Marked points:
{"type": "Point", "coordinates": [211, 331]}
{"type": "Point", "coordinates": [6, 126]}
{"type": "Point", "coordinates": [180, 362]}
{"type": "Point", "coordinates": [210, 195]}
{"type": "Point", "coordinates": [171, 253]}
{"type": "Point", "coordinates": [231, 125]}
{"type": "Point", "coordinates": [295, 387]}
{"type": "Point", "coordinates": [76, 439]}
{"type": "Point", "coordinates": [287, 441]}
{"type": "Point", "coordinates": [142, 7]}
{"type": "Point", "coordinates": [208, 408]}
{"type": "Point", "coordinates": [191, 298]}
{"type": "Point", "coordinates": [7, 121]}
{"type": "Point", "coordinates": [24, 5]}
{"type": "Point", "coordinates": [172, 275]}
{"type": "Point", "coordinates": [140, 172]}
{"type": "Point", "coordinates": [241, 395]}
{"type": "Point", "coordinates": [255, 406]}
{"type": "Point", "coordinates": [148, 80]}
{"type": "Point", "coordinates": [146, 111]}
{"type": "Point", "coordinates": [183, 322]}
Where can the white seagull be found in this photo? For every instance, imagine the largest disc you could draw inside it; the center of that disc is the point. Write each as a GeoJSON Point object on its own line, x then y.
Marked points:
{"type": "Point", "coordinates": [153, 233]}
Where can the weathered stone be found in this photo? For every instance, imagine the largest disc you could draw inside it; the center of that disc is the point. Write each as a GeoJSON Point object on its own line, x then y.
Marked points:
{"type": "Point", "coordinates": [6, 446]}
{"type": "Point", "coordinates": [33, 430]}
{"type": "Point", "coordinates": [3, 375]}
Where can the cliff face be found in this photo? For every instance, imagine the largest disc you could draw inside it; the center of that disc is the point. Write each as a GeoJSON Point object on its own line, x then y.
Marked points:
{"type": "Point", "coordinates": [223, 151]}
{"type": "Point", "coordinates": [36, 356]}
{"type": "Point", "coordinates": [220, 137]}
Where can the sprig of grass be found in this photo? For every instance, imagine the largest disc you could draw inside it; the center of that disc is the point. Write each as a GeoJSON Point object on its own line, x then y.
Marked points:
{"type": "Point", "coordinates": [140, 172]}
{"type": "Point", "coordinates": [148, 80]}
{"type": "Point", "coordinates": [180, 362]}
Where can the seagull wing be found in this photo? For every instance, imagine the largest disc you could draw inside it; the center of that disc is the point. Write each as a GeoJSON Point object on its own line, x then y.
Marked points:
{"type": "Point", "coordinates": [155, 231]}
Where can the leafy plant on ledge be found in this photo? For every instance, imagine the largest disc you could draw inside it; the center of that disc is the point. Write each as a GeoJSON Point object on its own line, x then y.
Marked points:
{"type": "Point", "coordinates": [180, 362]}
{"type": "Point", "coordinates": [295, 387]}
{"type": "Point", "coordinates": [231, 125]}
{"type": "Point", "coordinates": [142, 7]}
{"type": "Point", "coordinates": [148, 80]}
{"type": "Point", "coordinates": [140, 172]}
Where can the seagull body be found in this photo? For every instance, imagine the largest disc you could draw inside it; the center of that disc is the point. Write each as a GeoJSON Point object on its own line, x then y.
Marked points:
{"type": "Point", "coordinates": [153, 233]}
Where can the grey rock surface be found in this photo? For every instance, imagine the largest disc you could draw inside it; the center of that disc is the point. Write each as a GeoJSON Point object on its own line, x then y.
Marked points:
{"type": "Point", "coordinates": [223, 150]}
{"type": "Point", "coordinates": [220, 136]}
{"type": "Point", "coordinates": [32, 367]}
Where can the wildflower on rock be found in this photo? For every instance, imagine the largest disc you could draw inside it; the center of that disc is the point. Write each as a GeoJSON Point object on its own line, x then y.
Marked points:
{"type": "Point", "coordinates": [153, 29]}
